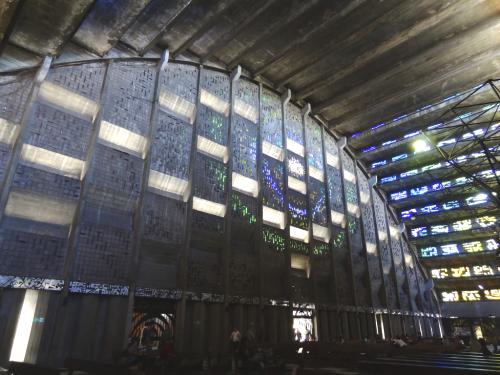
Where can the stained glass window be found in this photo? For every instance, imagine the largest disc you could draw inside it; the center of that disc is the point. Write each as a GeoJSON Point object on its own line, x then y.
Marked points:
{"type": "Point", "coordinates": [449, 249]}
{"type": "Point", "coordinates": [492, 294]}
{"type": "Point", "coordinates": [244, 135]}
{"type": "Point", "coordinates": [297, 209]}
{"type": "Point", "coordinates": [210, 179]}
{"type": "Point", "coordinates": [320, 249]}
{"type": "Point", "coordinates": [472, 247]}
{"type": "Point", "coordinates": [471, 295]}
{"type": "Point", "coordinates": [213, 111]}
{"type": "Point", "coordinates": [430, 251]}
{"type": "Point", "coordinates": [272, 183]}
{"type": "Point", "coordinates": [449, 296]}
{"type": "Point", "coordinates": [293, 127]}
{"type": "Point", "coordinates": [299, 247]}
{"type": "Point", "coordinates": [296, 167]}
{"type": "Point", "coordinates": [314, 145]}
{"type": "Point", "coordinates": [317, 202]}
{"type": "Point", "coordinates": [271, 118]}
{"type": "Point", "coordinates": [273, 239]}
{"type": "Point", "coordinates": [244, 208]}
{"type": "Point", "coordinates": [339, 240]}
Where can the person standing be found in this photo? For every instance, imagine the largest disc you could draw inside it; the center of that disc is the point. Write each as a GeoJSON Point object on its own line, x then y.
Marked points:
{"type": "Point", "coordinates": [235, 339]}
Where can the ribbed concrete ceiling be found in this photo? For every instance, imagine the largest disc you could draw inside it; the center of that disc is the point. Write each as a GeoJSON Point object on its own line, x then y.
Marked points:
{"type": "Point", "coordinates": [357, 62]}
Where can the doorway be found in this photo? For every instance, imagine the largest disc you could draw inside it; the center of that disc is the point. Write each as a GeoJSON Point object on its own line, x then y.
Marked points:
{"type": "Point", "coordinates": [152, 323]}
{"type": "Point", "coordinates": [303, 325]}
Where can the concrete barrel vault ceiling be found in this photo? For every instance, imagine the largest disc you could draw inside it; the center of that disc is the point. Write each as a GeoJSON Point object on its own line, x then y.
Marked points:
{"type": "Point", "coordinates": [356, 61]}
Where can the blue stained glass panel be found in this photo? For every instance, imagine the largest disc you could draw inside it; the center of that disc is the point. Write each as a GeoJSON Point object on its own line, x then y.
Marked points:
{"type": "Point", "coordinates": [419, 232]}
{"type": "Point", "coordinates": [430, 251]}
{"type": "Point", "coordinates": [297, 209]}
{"type": "Point", "coordinates": [317, 202]}
{"type": "Point", "coordinates": [272, 183]}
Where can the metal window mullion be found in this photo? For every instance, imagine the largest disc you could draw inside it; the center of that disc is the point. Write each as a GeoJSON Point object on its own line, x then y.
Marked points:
{"type": "Point", "coordinates": [395, 276]}
{"type": "Point", "coordinates": [363, 237]}
{"type": "Point", "coordinates": [258, 243]}
{"type": "Point", "coordinates": [329, 218]}
{"type": "Point", "coordinates": [138, 215]}
{"type": "Point", "coordinates": [72, 236]}
{"type": "Point", "coordinates": [420, 293]}
{"type": "Point", "coordinates": [407, 281]}
{"type": "Point", "coordinates": [182, 279]}
{"type": "Point", "coordinates": [285, 98]}
{"type": "Point", "coordinates": [15, 155]}
{"type": "Point", "coordinates": [313, 279]}
{"type": "Point", "coordinates": [330, 228]}
{"type": "Point", "coordinates": [347, 235]}
{"type": "Point", "coordinates": [379, 247]}
{"type": "Point", "coordinates": [226, 255]}
{"type": "Point", "coordinates": [138, 224]}
{"type": "Point", "coordinates": [389, 237]}
{"type": "Point", "coordinates": [348, 245]}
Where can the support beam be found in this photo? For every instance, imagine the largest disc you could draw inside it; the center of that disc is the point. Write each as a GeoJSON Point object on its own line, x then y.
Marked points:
{"type": "Point", "coordinates": [9, 13]}
{"type": "Point", "coordinates": [152, 23]}
{"type": "Point", "coordinates": [399, 35]}
{"type": "Point", "coordinates": [350, 29]}
{"type": "Point", "coordinates": [301, 42]}
{"type": "Point", "coordinates": [106, 22]}
{"type": "Point", "coordinates": [432, 68]}
{"type": "Point", "coordinates": [42, 30]}
{"type": "Point", "coordinates": [261, 7]}
{"type": "Point", "coordinates": [213, 17]}
{"type": "Point", "coordinates": [291, 14]}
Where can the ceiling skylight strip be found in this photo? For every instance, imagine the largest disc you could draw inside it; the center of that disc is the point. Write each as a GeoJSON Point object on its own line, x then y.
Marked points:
{"type": "Point", "coordinates": [456, 122]}
{"type": "Point", "coordinates": [414, 172]}
{"type": "Point", "coordinates": [482, 222]}
{"type": "Point", "coordinates": [440, 185]}
{"type": "Point", "coordinates": [422, 110]}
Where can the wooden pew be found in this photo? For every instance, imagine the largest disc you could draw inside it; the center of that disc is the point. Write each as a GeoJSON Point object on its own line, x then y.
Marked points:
{"type": "Point", "coordinates": [22, 368]}
{"type": "Point", "coordinates": [94, 367]}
